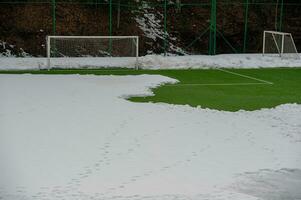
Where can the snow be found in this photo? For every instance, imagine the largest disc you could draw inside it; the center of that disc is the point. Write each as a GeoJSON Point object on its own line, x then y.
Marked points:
{"type": "Point", "coordinates": [154, 62]}
{"type": "Point", "coordinates": [150, 22]}
{"type": "Point", "coordinates": [218, 61]}
{"type": "Point", "coordinates": [76, 137]}
{"type": "Point", "coordinates": [8, 63]}
{"type": "Point", "coordinates": [6, 50]}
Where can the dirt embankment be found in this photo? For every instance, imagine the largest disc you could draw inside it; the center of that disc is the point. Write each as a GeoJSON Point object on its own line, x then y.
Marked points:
{"type": "Point", "coordinates": [25, 26]}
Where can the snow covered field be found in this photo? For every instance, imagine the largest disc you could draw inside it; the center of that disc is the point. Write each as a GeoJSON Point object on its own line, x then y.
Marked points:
{"type": "Point", "coordinates": [154, 62]}
{"type": "Point", "coordinates": [75, 137]}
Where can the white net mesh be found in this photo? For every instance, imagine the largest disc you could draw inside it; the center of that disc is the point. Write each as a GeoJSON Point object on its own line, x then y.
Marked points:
{"type": "Point", "coordinates": [91, 51]}
{"type": "Point", "coordinates": [279, 44]}
{"type": "Point", "coordinates": [289, 48]}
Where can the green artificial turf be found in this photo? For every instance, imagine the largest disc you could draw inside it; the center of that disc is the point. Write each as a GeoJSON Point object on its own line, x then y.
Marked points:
{"type": "Point", "coordinates": [194, 87]}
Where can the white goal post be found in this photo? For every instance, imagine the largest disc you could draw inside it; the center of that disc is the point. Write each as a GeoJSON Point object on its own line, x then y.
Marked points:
{"type": "Point", "coordinates": [279, 44]}
{"type": "Point", "coordinates": [85, 51]}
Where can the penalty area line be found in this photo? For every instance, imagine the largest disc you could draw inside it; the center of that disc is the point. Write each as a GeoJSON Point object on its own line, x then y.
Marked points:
{"type": "Point", "coordinates": [215, 84]}
{"type": "Point", "coordinates": [245, 76]}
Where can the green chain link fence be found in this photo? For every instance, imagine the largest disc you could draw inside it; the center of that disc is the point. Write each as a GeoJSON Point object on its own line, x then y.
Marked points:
{"type": "Point", "coordinates": [196, 26]}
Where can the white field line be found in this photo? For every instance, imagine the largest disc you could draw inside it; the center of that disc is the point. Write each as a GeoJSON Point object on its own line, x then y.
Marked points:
{"type": "Point", "coordinates": [96, 69]}
{"type": "Point", "coordinates": [215, 84]}
{"type": "Point", "coordinates": [245, 76]}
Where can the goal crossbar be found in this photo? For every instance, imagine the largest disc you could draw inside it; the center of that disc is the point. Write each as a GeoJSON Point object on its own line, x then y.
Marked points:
{"type": "Point", "coordinates": [92, 37]}
{"type": "Point", "coordinates": [277, 32]}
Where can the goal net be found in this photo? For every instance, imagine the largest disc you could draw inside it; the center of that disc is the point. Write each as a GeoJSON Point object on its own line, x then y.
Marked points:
{"type": "Point", "coordinates": [92, 51]}
{"type": "Point", "coordinates": [279, 44]}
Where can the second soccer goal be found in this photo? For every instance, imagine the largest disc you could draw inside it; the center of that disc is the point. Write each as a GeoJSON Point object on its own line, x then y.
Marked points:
{"type": "Point", "coordinates": [279, 44]}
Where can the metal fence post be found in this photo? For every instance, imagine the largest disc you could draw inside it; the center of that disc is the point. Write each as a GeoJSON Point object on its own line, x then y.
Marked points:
{"type": "Point", "coordinates": [280, 17]}
{"type": "Point", "coordinates": [110, 26]}
{"type": "Point", "coordinates": [212, 36]}
{"type": "Point", "coordinates": [246, 3]}
{"type": "Point", "coordinates": [53, 17]}
{"type": "Point", "coordinates": [165, 27]}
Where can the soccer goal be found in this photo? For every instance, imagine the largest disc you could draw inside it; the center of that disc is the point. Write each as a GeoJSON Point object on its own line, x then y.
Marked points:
{"type": "Point", "coordinates": [279, 44]}
{"type": "Point", "coordinates": [92, 51]}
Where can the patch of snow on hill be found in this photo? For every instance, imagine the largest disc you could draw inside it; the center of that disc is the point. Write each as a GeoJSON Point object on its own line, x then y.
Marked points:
{"type": "Point", "coordinates": [6, 50]}
{"type": "Point", "coordinates": [150, 23]}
